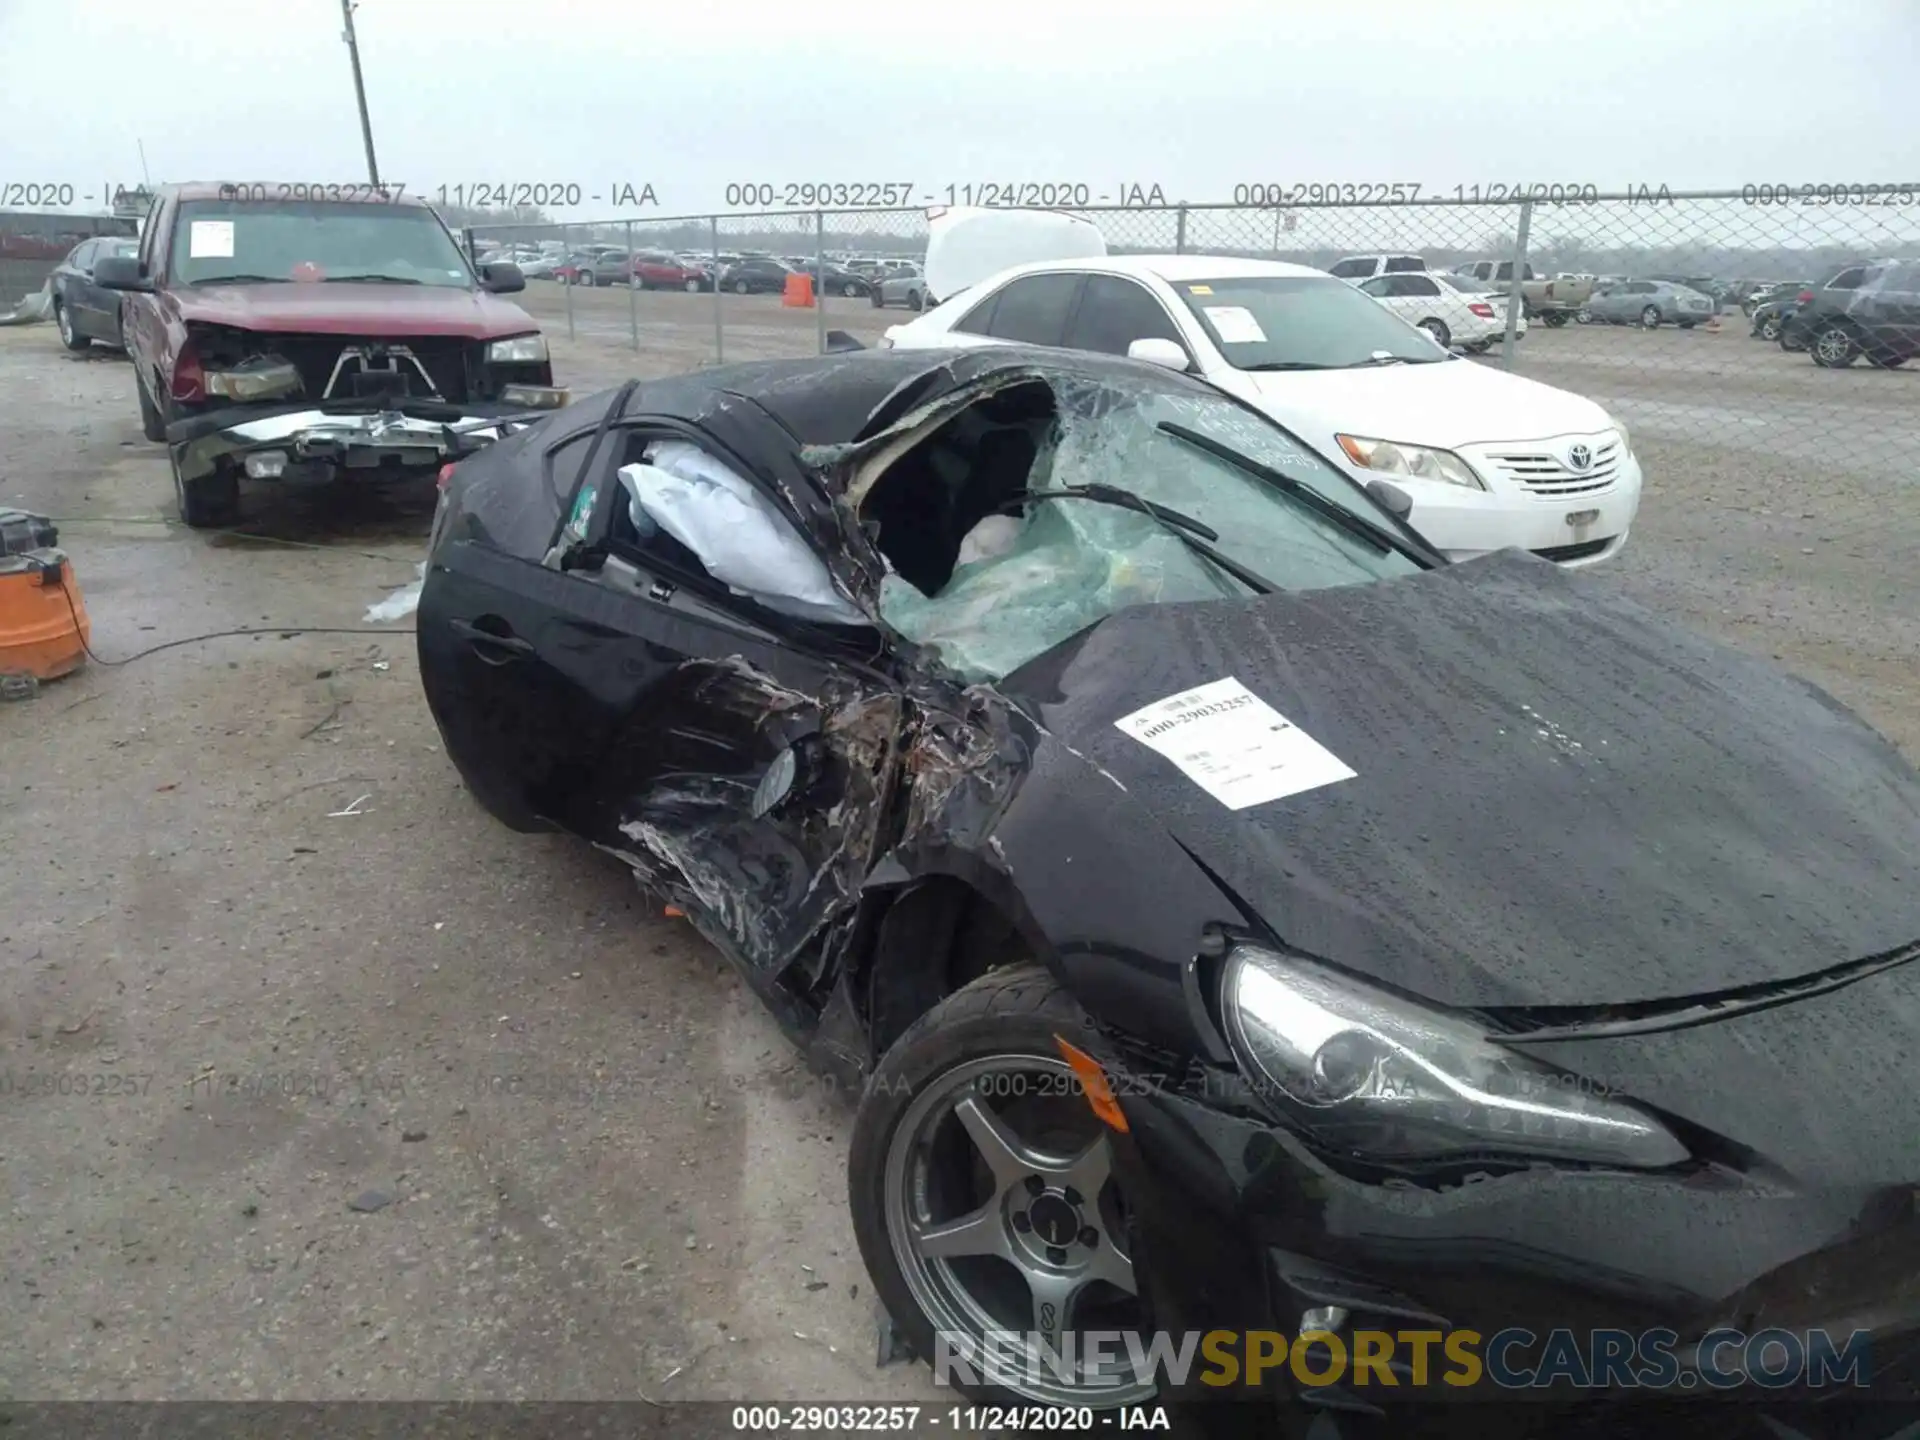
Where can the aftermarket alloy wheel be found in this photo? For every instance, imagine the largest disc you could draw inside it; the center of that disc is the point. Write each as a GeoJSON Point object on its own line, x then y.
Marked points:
{"type": "Point", "coordinates": [1650, 318]}
{"type": "Point", "coordinates": [1834, 348]}
{"type": "Point", "coordinates": [983, 1197]}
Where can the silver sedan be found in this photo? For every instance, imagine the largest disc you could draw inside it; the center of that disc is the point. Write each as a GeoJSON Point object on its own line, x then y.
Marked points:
{"type": "Point", "coordinates": [1649, 304]}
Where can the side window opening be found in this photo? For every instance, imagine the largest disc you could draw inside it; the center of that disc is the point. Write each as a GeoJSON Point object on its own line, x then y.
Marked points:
{"type": "Point", "coordinates": [923, 510]}
{"type": "Point", "coordinates": [692, 516]}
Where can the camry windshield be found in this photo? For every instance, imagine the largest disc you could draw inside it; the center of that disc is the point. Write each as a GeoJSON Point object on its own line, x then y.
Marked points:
{"type": "Point", "coordinates": [1272, 322]}
{"type": "Point", "coordinates": [217, 240]}
{"type": "Point", "coordinates": [1133, 495]}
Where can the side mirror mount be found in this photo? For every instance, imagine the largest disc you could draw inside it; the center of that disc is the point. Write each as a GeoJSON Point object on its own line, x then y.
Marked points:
{"type": "Point", "coordinates": [1391, 498]}
{"type": "Point", "coordinates": [121, 272]}
{"type": "Point", "coordinates": [1165, 353]}
{"type": "Point", "coordinates": [502, 278]}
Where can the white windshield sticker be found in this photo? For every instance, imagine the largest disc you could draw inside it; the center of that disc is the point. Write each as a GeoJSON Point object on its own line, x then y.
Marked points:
{"type": "Point", "coordinates": [210, 240]}
{"type": "Point", "coordinates": [1234, 745]}
{"type": "Point", "coordinates": [1235, 324]}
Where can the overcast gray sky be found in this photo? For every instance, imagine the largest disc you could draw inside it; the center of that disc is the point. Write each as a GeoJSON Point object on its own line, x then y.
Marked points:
{"type": "Point", "coordinates": [1195, 97]}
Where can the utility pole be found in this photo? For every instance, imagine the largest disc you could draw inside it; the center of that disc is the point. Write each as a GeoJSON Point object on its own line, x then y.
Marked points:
{"type": "Point", "coordinates": [359, 90]}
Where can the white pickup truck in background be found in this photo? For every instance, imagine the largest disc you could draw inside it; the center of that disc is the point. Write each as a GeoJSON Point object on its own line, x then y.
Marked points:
{"type": "Point", "coordinates": [1554, 302]}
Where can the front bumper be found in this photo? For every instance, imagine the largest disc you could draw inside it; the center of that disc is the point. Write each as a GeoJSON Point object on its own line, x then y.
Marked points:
{"type": "Point", "coordinates": [1237, 1227]}
{"type": "Point", "coordinates": [1571, 526]}
{"type": "Point", "coordinates": [310, 439]}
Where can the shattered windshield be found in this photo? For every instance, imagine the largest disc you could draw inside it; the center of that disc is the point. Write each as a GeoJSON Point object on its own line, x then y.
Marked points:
{"type": "Point", "coordinates": [1034, 572]}
{"type": "Point", "coordinates": [217, 240]}
{"type": "Point", "coordinates": [1300, 322]}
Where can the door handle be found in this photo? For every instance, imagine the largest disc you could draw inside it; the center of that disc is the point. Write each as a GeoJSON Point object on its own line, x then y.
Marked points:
{"type": "Point", "coordinates": [494, 649]}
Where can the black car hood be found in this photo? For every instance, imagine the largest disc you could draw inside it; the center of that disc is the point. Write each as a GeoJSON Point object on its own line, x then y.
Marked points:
{"type": "Point", "coordinates": [1559, 798]}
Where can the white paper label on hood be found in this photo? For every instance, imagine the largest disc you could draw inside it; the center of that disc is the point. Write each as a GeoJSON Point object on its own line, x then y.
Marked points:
{"type": "Point", "coordinates": [1234, 745]}
{"type": "Point", "coordinates": [1235, 325]}
{"type": "Point", "coordinates": [210, 240]}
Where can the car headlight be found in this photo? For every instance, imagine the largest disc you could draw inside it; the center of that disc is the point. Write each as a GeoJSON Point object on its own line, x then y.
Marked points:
{"type": "Point", "coordinates": [1626, 439]}
{"type": "Point", "coordinates": [519, 349]}
{"type": "Point", "coordinates": [1369, 1073]}
{"type": "Point", "coordinates": [1416, 462]}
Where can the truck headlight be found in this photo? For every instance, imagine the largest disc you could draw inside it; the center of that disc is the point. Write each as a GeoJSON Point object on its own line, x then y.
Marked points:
{"type": "Point", "coordinates": [1416, 462]}
{"type": "Point", "coordinates": [518, 350]}
{"type": "Point", "coordinates": [1366, 1072]}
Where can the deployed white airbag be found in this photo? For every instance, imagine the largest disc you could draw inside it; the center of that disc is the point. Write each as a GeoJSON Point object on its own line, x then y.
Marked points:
{"type": "Point", "coordinates": [744, 542]}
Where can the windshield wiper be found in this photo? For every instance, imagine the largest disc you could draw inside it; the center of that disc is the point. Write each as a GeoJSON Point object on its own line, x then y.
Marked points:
{"type": "Point", "coordinates": [370, 280]}
{"type": "Point", "coordinates": [1192, 533]}
{"type": "Point", "coordinates": [1283, 365]}
{"type": "Point", "coordinates": [244, 280]}
{"type": "Point", "coordinates": [1358, 526]}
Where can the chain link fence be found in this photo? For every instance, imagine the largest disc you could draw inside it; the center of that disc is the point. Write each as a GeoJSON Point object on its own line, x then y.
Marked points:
{"type": "Point", "coordinates": [1680, 312]}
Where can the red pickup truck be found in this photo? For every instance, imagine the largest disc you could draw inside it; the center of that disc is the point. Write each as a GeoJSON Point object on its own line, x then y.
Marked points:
{"type": "Point", "coordinates": [275, 335]}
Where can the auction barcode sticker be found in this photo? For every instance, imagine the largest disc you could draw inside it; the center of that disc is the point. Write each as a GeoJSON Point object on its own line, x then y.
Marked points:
{"type": "Point", "coordinates": [1234, 745]}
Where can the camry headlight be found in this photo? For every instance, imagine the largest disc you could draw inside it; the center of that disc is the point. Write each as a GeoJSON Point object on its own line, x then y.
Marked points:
{"type": "Point", "coordinates": [518, 349]}
{"type": "Point", "coordinates": [1626, 439]}
{"type": "Point", "coordinates": [1366, 1072]}
{"type": "Point", "coordinates": [1417, 462]}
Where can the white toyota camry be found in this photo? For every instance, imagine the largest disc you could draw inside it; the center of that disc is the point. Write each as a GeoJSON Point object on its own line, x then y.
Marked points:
{"type": "Point", "coordinates": [1491, 460]}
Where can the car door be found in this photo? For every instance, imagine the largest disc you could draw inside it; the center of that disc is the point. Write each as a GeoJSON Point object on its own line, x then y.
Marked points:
{"type": "Point", "coordinates": [1383, 289]}
{"type": "Point", "coordinates": [741, 761]}
{"type": "Point", "coordinates": [1028, 310]}
{"type": "Point", "coordinates": [73, 285]}
{"type": "Point", "coordinates": [1113, 311]}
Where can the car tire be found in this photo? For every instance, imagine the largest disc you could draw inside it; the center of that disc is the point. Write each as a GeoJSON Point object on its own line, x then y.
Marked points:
{"type": "Point", "coordinates": [587, 279]}
{"type": "Point", "coordinates": [1834, 348]}
{"type": "Point", "coordinates": [1479, 347]}
{"type": "Point", "coordinates": [850, 290]}
{"type": "Point", "coordinates": [1583, 317]}
{"type": "Point", "coordinates": [936, 1082]}
{"type": "Point", "coordinates": [1442, 336]}
{"type": "Point", "coordinates": [916, 300]}
{"type": "Point", "coordinates": [69, 337]}
{"type": "Point", "coordinates": [741, 287]}
{"type": "Point", "coordinates": [1650, 318]}
{"type": "Point", "coordinates": [1769, 328]}
{"type": "Point", "coordinates": [692, 287]}
{"type": "Point", "coordinates": [153, 422]}
{"type": "Point", "coordinates": [1685, 324]}
{"type": "Point", "coordinates": [209, 502]}
{"type": "Point", "coordinates": [1555, 319]}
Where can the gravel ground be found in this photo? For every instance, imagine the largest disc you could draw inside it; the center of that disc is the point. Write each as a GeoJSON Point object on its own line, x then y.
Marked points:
{"type": "Point", "coordinates": [229, 1014]}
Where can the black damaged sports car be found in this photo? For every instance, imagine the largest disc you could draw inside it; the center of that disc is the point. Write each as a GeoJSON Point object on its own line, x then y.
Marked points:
{"type": "Point", "coordinates": [1238, 917]}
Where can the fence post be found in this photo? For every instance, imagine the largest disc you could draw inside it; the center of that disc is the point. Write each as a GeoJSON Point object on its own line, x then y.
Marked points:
{"type": "Point", "coordinates": [1180, 233]}
{"type": "Point", "coordinates": [820, 277]}
{"type": "Point", "coordinates": [1516, 296]}
{"type": "Point", "coordinates": [633, 291]}
{"type": "Point", "coordinates": [719, 326]}
{"type": "Point", "coordinates": [566, 239]}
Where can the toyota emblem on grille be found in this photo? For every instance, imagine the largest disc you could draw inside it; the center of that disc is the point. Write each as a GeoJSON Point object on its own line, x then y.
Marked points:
{"type": "Point", "coordinates": [1579, 457]}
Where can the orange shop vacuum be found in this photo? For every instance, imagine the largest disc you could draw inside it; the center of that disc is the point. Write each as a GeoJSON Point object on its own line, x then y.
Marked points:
{"type": "Point", "coordinates": [43, 621]}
